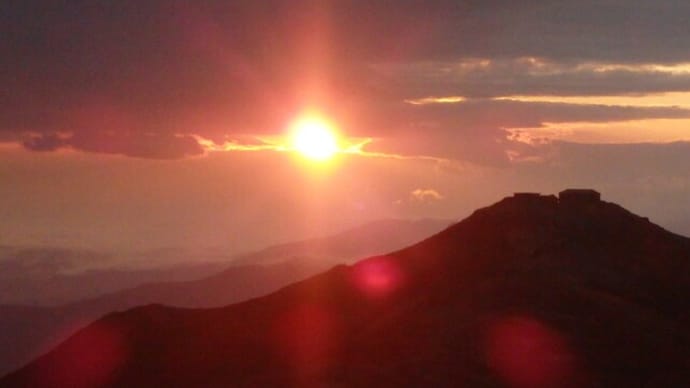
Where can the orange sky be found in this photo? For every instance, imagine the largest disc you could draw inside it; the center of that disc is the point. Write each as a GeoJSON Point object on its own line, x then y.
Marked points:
{"type": "Point", "coordinates": [169, 123]}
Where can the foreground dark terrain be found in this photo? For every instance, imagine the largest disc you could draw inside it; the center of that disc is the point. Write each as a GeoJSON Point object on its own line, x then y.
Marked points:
{"type": "Point", "coordinates": [529, 292]}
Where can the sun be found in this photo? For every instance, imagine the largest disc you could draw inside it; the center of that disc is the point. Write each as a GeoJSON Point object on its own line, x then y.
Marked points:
{"type": "Point", "coordinates": [314, 139]}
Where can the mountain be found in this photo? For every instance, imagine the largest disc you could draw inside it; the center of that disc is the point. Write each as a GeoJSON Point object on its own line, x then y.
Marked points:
{"type": "Point", "coordinates": [26, 332]}
{"type": "Point", "coordinates": [49, 276]}
{"type": "Point", "coordinates": [534, 291]}
{"type": "Point", "coordinates": [372, 238]}
{"type": "Point", "coordinates": [46, 276]}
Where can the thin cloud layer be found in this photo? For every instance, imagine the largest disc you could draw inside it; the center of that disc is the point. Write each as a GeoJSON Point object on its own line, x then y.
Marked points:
{"type": "Point", "coordinates": [425, 195]}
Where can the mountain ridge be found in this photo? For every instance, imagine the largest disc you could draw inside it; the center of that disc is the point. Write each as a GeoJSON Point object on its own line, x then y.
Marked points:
{"type": "Point", "coordinates": [589, 294]}
{"type": "Point", "coordinates": [26, 330]}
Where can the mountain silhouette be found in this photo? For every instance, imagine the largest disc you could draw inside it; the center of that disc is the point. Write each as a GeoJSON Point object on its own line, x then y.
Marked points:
{"type": "Point", "coordinates": [28, 331]}
{"type": "Point", "coordinates": [533, 291]}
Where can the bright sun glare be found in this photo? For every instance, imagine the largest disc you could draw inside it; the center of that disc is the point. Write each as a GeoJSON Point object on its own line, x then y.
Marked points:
{"type": "Point", "coordinates": [314, 139]}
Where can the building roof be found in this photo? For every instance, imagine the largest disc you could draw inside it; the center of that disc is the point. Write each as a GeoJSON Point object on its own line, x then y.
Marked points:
{"type": "Point", "coordinates": [586, 195]}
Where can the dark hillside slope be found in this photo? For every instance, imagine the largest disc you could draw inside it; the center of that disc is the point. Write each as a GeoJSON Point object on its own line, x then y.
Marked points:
{"type": "Point", "coordinates": [26, 332]}
{"type": "Point", "coordinates": [529, 292]}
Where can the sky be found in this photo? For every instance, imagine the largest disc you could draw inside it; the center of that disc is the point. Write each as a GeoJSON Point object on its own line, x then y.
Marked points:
{"type": "Point", "coordinates": [135, 126]}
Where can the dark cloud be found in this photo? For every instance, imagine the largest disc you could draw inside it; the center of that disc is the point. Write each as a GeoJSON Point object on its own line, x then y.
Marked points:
{"type": "Point", "coordinates": [512, 114]}
{"type": "Point", "coordinates": [476, 131]}
{"type": "Point", "coordinates": [615, 30]}
{"type": "Point", "coordinates": [127, 77]}
{"type": "Point", "coordinates": [526, 76]}
{"type": "Point", "coordinates": [45, 142]}
{"type": "Point", "coordinates": [465, 117]}
{"type": "Point", "coordinates": [142, 145]}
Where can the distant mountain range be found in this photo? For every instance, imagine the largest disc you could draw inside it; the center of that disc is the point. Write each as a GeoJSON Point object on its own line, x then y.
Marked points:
{"type": "Point", "coordinates": [371, 238]}
{"type": "Point", "coordinates": [27, 331]}
{"type": "Point", "coordinates": [530, 292]}
{"type": "Point", "coordinates": [52, 276]}
{"type": "Point", "coordinates": [48, 276]}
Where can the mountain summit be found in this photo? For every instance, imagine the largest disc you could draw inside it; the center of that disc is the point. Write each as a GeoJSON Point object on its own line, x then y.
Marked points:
{"type": "Point", "coordinates": [533, 291]}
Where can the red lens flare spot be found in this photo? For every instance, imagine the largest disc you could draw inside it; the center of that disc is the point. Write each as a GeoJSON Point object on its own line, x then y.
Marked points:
{"type": "Point", "coordinates": [527, 353]}
{"type": "Point", "coordinates": [378, 276]}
